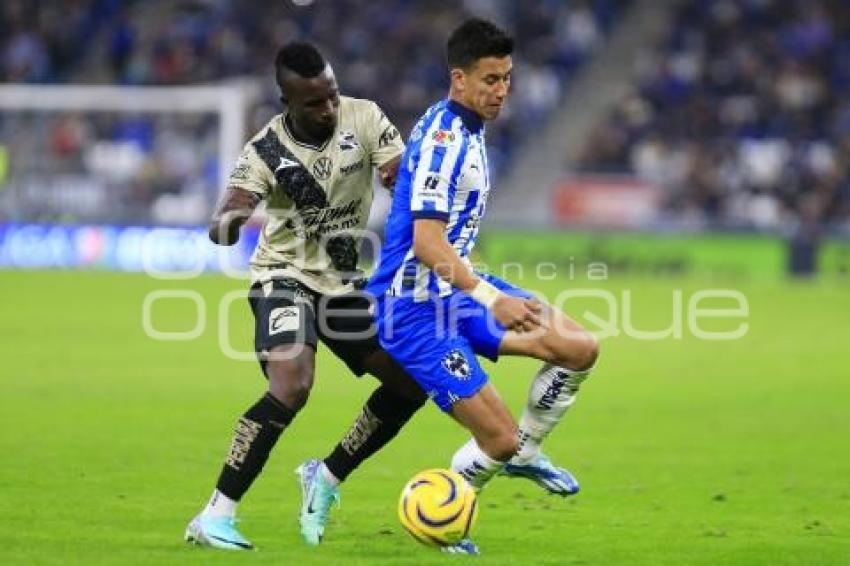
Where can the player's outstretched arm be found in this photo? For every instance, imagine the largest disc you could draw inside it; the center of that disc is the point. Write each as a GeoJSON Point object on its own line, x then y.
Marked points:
{"type": "Point", "coordinates": [433, 249]}
{"type": "Point", "coordinates": [233, 210]}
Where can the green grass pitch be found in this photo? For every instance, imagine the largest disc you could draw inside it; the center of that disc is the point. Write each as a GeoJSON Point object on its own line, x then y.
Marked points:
{"type": "Point", "coordinates": [688, 451]}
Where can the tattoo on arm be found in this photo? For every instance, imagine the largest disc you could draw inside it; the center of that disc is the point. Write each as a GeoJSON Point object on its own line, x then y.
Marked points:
{"type": "Point", "coordinates": [232, 211]}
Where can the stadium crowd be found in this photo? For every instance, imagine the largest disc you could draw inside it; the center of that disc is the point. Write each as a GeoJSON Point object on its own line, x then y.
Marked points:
{"type": "Point", "coordinates": [386, 51]}
{"type": "Point", "coordinates": [742, 113]}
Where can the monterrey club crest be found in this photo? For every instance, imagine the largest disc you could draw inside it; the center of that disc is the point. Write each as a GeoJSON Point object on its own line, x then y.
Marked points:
{"type": "Point", "coordinates": [322, 168]}
{"type": "Point", "coordinates": [456, 364]}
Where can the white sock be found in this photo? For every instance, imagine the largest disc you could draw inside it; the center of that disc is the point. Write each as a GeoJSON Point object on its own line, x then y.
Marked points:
{"type": "Point", "coordinates": [332, 479]}
{"type": "Point", "coordinates": [474, 465]}
{"type": "Point", "coordinates": [220, 506]}
{"type": "Point", "coordinates": [553, 391]}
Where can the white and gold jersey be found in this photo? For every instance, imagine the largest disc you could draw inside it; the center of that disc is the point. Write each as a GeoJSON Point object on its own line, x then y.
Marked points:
{"type": "Point", "coordinates": [316, 195]}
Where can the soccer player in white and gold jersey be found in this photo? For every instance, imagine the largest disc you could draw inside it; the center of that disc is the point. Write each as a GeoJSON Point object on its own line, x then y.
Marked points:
{"type": "Point", "coordinates": [313, 165]}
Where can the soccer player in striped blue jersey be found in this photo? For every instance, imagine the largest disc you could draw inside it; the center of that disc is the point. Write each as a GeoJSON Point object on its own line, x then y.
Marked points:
{"type": "Point", "coordinates": [436, 314]}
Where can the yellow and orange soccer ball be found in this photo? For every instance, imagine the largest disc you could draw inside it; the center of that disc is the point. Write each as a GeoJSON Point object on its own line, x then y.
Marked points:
{"type": "Point", "coordinates": [438, 507]}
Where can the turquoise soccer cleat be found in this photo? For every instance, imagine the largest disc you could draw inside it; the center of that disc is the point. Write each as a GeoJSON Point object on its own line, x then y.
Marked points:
{"type": "Point", "coordinates": [466, 546]}
{"type": "Point", "coordinates": [317, 496]}
{"type": "Point", "coordinates": [217, 532]}
{"type": "Point", "coordinates": [544, 473]}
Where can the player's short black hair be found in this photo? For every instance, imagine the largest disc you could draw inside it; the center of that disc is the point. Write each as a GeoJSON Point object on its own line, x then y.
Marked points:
{"type": "Point", "coordinates": [301, 58]}
{"type": "Point", "coordinates": [475, 39]}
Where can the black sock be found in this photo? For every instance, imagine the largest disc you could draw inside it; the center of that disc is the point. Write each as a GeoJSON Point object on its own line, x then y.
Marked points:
{"type": "Point", "coordinates": [257, 432]}
{"type": "Point", "coordinates": [382, 417]}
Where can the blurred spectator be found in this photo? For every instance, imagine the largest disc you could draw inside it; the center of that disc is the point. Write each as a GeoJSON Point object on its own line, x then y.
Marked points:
{"type": "Point", "coordinates": [389, 51]}
{"type": "Point", "coordinates": [742, 114]}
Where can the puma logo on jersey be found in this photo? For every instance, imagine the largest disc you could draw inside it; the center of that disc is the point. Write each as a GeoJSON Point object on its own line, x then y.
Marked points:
{"type": "Point", "coordinates": [285, 164]}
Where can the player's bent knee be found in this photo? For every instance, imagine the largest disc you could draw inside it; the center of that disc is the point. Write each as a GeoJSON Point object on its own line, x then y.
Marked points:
{"type": "Point", "coordinates": [577, 352]}
{"type": "Point", "coordinates": [292, 395]}
{"type": "Point", "coordinates": [290, 382]}
{"type": "Point", "coordinates": [587, 352]}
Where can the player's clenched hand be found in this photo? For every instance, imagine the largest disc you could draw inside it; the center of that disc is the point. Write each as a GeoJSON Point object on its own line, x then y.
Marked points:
{"type": "Point", "coordinates": [517, 314]}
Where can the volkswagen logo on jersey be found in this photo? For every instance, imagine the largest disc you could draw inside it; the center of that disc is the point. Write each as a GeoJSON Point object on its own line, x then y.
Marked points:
{"type": "Point", "coordinates": [456, 364]}
{"type": "Point", "coordinates": [322, 168]}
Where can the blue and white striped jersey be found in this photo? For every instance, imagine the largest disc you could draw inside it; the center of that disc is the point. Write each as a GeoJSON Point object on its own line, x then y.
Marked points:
{"type": "Point", "coordinates": [444, 175]}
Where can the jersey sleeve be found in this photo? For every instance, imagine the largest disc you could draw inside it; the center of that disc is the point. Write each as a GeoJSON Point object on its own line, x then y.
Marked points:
{"type": "Point", "coordinates": [436, 170]}
{"type": "Point", "coordinates": [251, 173]}
{"type": "Point", "coordinates": [384, 138]}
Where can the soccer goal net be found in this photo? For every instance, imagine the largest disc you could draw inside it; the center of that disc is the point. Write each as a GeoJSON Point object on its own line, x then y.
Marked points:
{"type": "Point", "coordinates": [119, 155]}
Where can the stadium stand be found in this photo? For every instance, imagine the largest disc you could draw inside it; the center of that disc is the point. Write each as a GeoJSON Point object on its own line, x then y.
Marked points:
{"type": "Point", "coordinates": [384, 51]}
{"type": "Point", "coordinates": [742, 115]}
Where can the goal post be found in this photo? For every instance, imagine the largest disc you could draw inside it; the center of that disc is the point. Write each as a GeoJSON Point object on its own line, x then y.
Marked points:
{"type": "Point", "coordinates": [230, 101]}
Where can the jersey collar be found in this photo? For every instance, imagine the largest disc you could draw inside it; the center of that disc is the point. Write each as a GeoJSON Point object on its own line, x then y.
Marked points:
{"type": "Point", "coordinates": [470, 119]}
{"type": "Point", "coordinates": [315, 147]}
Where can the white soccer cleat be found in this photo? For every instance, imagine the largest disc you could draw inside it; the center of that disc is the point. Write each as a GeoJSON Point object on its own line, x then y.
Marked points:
{"type": "Point", "coordinates": [216, 532]}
